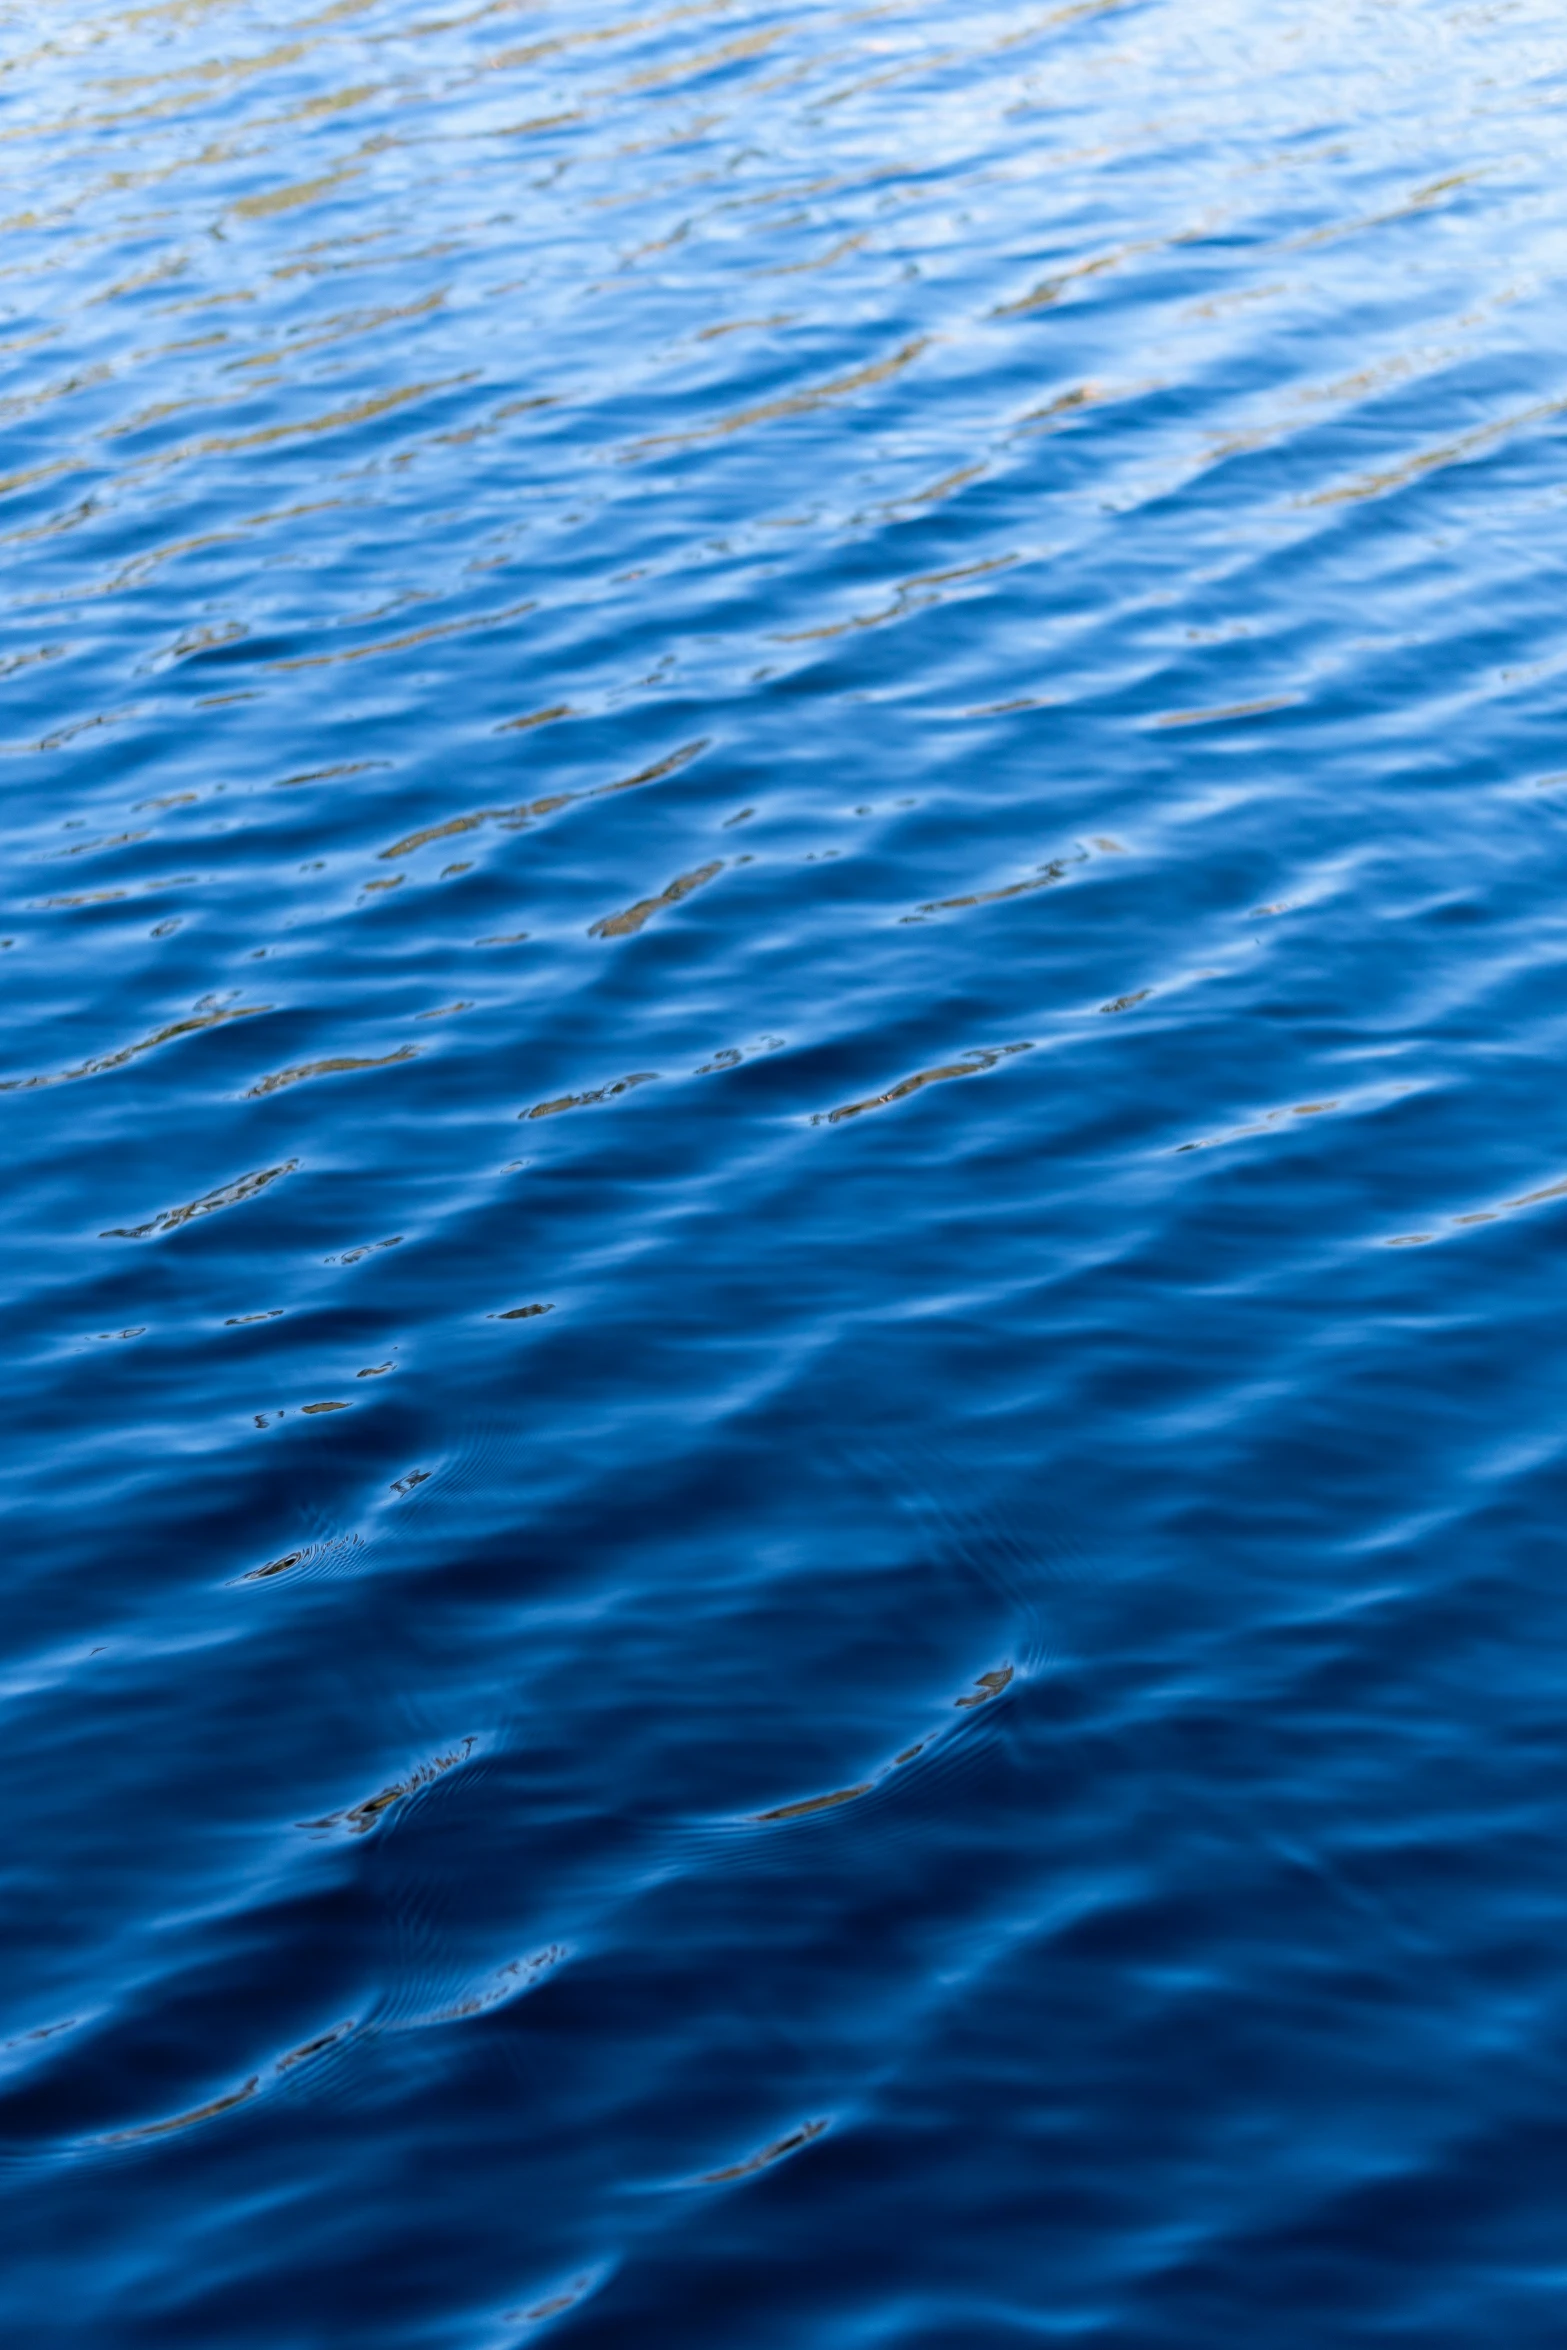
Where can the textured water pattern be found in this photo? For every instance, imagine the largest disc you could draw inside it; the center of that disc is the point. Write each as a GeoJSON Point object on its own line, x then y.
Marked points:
{"type": "Point", "coordinates": [785, 979]}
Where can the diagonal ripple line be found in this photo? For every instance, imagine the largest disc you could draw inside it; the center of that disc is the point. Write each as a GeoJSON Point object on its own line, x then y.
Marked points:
{"type": "Point", "coordinates": [227, 1195]}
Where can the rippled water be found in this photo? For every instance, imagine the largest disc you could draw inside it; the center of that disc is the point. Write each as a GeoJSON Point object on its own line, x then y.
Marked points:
{"type": "Point", "coordinates": [785, 970]}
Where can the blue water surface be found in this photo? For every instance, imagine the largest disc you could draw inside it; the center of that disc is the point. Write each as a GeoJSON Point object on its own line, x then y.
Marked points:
{"type": "Point", "coordinates": [785, 969]}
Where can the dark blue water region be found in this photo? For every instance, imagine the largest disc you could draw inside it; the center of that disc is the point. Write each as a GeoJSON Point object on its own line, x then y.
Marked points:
{"type": "Point", "coordinates": [785, 951]}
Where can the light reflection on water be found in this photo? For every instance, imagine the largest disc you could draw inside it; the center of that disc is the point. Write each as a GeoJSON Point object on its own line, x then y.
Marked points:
{"type": "Point", "coordinates": [900, 1682]}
